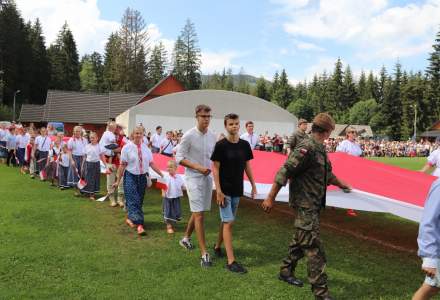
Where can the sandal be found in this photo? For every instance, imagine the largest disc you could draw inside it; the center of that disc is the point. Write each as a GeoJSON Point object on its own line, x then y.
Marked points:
{"type": "Point", "coordinates": [129, 223]}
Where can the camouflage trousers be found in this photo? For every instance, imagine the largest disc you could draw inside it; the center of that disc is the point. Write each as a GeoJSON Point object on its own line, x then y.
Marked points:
{"type": "Point", "coordinates": [306, 242]}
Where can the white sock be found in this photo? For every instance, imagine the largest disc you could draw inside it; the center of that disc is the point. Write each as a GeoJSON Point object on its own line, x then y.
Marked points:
{"type": "Point", "coordinates": [186, 239]}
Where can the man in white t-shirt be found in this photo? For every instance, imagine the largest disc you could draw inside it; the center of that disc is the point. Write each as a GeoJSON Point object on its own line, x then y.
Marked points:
{"type": "Point", "coordinates": [156, 140]}
{"type": "Point", "coordinates": [433, 161]}
{"type": "Point", "coordinates": [194, 153]}
{"type": "Point", "coordinates": [249, 135]}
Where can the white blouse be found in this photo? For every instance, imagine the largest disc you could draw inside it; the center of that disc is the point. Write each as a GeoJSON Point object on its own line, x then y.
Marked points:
{"type": "Point", "coordinates": [348, 147]}
{"type": "Point", "coordinates": [64, 159]}
{"type": "Point", "coordinates": [93, 152]}
{"type": "Point", "coordinates": [136, 164]}
{"type": "Point", "coordinates": [77, 146]}
{"type": "Point", "coordinates": [174, 186]}
{"type": "Point", "coordinates": [43, 143]}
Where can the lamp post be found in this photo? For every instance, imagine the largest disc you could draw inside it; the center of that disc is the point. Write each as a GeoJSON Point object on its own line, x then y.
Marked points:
{"type": "Point", "coordinates": [13, 107]}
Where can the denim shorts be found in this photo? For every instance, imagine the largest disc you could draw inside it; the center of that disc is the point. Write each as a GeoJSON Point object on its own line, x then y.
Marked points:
{"type": "Point", "coordinates": [227, 213]}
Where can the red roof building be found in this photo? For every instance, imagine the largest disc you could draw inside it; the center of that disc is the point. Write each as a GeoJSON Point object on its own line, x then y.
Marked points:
{"type": "Point", "coordinates": [166, 86]}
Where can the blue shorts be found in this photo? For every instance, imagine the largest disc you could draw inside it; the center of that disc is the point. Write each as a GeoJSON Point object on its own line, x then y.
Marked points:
{"type": "Point", "coordinates": [227, 213]}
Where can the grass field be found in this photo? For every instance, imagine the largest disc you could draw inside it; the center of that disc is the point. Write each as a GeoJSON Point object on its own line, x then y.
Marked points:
{"type": "Point", "coordinates": [411, 163]}
{"type": "Point", "coordinates": [56, 246]}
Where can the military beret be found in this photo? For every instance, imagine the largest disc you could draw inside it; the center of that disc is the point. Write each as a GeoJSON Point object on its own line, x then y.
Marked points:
{"type": "Point", "coordinates": [325, 121]}
{"type": "Point", "coordinates": [300, 121]}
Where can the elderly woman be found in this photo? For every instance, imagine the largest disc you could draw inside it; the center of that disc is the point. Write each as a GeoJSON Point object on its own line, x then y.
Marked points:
{"type": "Point", "coordinates": [136, 159]}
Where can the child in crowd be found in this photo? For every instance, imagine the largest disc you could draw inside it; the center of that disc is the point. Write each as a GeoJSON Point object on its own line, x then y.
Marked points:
{"type": "Point", "coordinates": [30, 156]}
{"type": "Point", "coordinates": [171, 196]}
{"type": "Point", "coordinates": [52, 162]}
{"type": "Point", "coordinates": [92, 167]}
{"type": "Point", "coordinates": [63, 167]}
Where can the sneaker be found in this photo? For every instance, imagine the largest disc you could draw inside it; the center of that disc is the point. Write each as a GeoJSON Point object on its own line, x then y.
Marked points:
{"type": "Point", "coordinates": [235, 267]}
{"type": "Point", "coordinates": [218, 252]}
{"type": "Point", "coordinates": [205, 261]}
{"type": "Point", "coordinates": [186, 243]}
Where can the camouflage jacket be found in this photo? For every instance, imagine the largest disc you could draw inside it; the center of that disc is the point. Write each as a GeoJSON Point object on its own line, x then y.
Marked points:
{"type": "Point", "coordinates": [309, 171]}
{"type": "Point", "coordinates": [296, 138]}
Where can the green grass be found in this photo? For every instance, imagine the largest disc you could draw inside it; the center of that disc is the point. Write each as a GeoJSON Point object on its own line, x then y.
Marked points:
{"type": "Point", "coordinates": [56, 246]}
{"type": "Point", "coordinates": [411, 163]}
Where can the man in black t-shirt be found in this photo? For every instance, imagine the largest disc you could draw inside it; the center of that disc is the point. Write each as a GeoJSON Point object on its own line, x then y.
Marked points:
{"type": "Point", "coordinates": [231, 158]}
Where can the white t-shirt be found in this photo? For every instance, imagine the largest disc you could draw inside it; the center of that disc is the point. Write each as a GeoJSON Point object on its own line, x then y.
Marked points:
{"type": "Point", "coordinates": [174, 185]}
{"type": "Point", "coordinates": [130, 156]}
{"type": "Point", "coordinates": [434, 160]}
{"type": "Point", "coordinates": [43, 143]}
{"type": "Point", "coordinates": [252, 139]}
{"type": "Point", "coordinates": [348, 147]}
{"type": "Point", "coordinates": [167, 146]}
{"type": "Point", "coordinates": [77, 146]}
{"type": "Point", "coordinates": [107, 138]}
{"type": "Point", "coordinates": [93, 152]}
{"type": "Point", "coordinates": [156, 140]}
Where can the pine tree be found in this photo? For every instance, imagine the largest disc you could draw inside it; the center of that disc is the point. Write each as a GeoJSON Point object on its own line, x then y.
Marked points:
{"type": "Point", "coordinates": [372, 87]}
{"type": "Point", "coordinates": [433, 74]}
{"type": "Point", "coordinates": [283, 94]}
{"type": "Point", "coordinates": [274, 87]}
{"type": "Point", "coordinates": [112, 63]}
{"type": "Point", "coordinates": [133, 50]}
{"type": "Point", "coordinates": [350, 96]}
{"type": "Point", "coordinates": [229, 85]}
{"type": "Point", "coordinates": [87, 75]}
{"type": "Point", "coordinates": [64, 62]}
{"type": "Point", "coordinates": [261, 90]}
{"type": "Point", "coordinates": [381, 85]}
{"type": "Point", "coordinates": [40, 65]}
{"type": "Point", "coordinates": [98, 69]}
{"type": "Point", "coordinates": [187, 57]}
{"type": "Point", "coordinates": [157, 64]}
{"type": "Point", "coordinates": [336, 91]}
{"type": "Point", "coordinates": [362, 87]}
{"type": "Point", "coordinates": [392, 106]}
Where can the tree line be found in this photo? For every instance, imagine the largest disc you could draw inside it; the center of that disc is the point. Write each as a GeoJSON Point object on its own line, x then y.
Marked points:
{"type": "Point", "coordinates": [390, 102]}
{"type": "Point", "coordinates": [129, 62]}
{"type": "Point", "coordinates": [387, 101]}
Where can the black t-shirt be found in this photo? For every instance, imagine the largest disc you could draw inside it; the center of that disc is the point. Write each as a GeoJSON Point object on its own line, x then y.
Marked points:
{"type": "Point", "coordinates": [232, 158]}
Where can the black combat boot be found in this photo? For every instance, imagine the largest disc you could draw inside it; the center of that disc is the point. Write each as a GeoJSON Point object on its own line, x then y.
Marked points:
{"type": "Point", "coordinates": [291, 280]}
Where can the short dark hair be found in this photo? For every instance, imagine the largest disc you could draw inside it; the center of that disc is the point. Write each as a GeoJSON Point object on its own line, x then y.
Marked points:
{"type": "Point", "coordinates": [231, 116]}
{"type": "Point", "coordinates": [158, 127]}
{"type": "Point", "coordinates": [249, 123]}
{"type": "Point", "coordinates": [202, 108]}
{"type": "Point", "coordinates": [319, 129]}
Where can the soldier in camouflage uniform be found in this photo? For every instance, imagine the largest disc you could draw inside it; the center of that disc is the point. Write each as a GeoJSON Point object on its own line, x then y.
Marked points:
{"type": "Point", "coordinates": [297, 136]}
{"type": "Point", "coordinates": [309, 171]}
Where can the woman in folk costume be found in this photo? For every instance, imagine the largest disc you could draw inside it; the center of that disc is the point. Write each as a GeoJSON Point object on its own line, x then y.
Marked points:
{"type": "Point", "coordinates": [91, 168]}
{"type": "Point", "coordinates": [42, 147]}
{"type": "Point", "coordinates": [136, 159]}
{"type": "Point", "coordinates": [22, 140]}
{"type": "Point", "coordinates": [52, 163]}
{"type": "Point", "coordinates": [77, 149]}
{"type": "Point", "coordinates": [29, 156]}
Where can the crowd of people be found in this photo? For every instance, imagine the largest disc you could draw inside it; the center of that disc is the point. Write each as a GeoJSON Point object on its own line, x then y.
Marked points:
{"type": "Point", "coordinates": [78, 161]}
